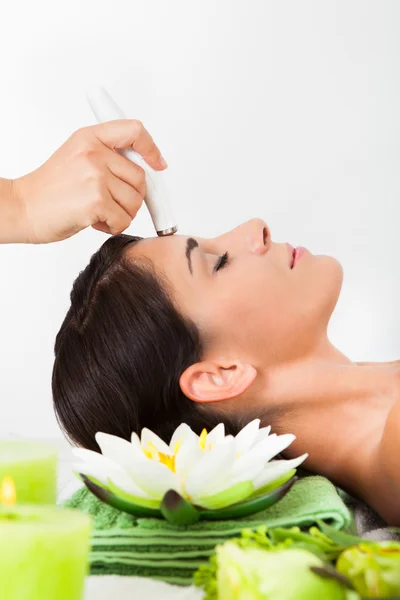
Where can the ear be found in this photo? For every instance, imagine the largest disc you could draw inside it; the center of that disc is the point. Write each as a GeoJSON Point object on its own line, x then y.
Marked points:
{"type": "Point", "coordinates": [211, 382]}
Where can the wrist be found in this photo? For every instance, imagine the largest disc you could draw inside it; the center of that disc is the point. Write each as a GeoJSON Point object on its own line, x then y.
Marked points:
{"type": "Point", "coordinates": [20, 225]}
{"type": "Point", "coordinates": [12, 218]}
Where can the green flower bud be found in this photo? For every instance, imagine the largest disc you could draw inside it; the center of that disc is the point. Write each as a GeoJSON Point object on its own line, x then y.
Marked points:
{"type": "Point", "coordinates": [253, 574]}
{"type": "Point", "coordinates": [373, 568]}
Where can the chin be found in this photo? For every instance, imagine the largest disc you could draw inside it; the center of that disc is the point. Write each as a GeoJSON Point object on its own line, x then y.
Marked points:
{"type": "Point", "coordinates": [334, 269]}
{"type": "Point", "coordinates": [330, 275]}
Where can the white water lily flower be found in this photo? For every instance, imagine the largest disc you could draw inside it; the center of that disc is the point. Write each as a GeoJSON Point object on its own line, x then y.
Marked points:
{"type": "Point", "coordinates": [211, 470]}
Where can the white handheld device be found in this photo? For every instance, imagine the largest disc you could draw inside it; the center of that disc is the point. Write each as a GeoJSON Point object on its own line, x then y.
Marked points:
{"type": "Point", "coordinates": [105, 109]}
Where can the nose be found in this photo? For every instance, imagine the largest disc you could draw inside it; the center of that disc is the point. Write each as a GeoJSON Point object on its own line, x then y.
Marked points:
{"type": "Point", "coordinates": [252, 236]}
{"type": "Point", "coordinates": [257, 236]}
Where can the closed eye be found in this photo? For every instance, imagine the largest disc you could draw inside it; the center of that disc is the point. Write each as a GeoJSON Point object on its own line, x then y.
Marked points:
{"type": "Point", "coordinates": [221, 262]}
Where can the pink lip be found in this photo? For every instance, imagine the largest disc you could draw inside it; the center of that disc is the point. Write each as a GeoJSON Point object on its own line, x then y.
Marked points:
{"type": "Point", "coordinates": [291, 251]}
{"type": "Point", "coordinates": [295, 254]}
{"type": "Point", "coordinates": [298, 253]}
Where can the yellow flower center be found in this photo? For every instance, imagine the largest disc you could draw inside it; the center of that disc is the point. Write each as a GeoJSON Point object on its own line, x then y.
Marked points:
{"type": "Point", "coordinates": [165, 459]}
{"type": "Point", "coordinates": [169, 459]}
{"type": "Point", "coordinates": [203, 439]}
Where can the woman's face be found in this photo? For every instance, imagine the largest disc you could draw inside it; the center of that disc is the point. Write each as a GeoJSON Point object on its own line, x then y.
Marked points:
{"type": "Point", "coordinates": [241, 292]}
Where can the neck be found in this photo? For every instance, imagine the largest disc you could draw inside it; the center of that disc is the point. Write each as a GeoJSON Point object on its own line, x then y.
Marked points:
{"type": "Point", "coordinates": [336, 408]}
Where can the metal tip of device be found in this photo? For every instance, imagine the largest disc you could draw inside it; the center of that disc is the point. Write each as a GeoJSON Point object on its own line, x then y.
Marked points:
{"type": "Point", "coordinates": [169, 231]}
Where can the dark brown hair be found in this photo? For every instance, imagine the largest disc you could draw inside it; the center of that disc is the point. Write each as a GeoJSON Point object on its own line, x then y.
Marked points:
{"type": "Point", "coordinates": [121, 351]}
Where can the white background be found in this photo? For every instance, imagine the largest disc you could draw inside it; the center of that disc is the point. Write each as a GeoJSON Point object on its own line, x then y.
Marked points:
{"type": "Point", "coordinates": [284, 110]}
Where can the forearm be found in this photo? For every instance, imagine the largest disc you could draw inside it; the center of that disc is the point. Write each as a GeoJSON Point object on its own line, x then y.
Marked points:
{"type": "Point", "coordinates": [12, 218]}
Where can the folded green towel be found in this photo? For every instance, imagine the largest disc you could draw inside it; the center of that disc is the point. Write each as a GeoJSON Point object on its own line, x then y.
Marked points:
{"type": "Point", "coordinates": [175, 576]}
{"type": "Point", "coordinates": [125, 545]}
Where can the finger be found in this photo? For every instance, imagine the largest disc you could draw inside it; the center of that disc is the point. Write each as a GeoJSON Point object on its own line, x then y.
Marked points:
{"type": "Point", "coordinates": [101, 227]}
{"type": "Point", "coordinates": [113, 215]}
{"type": "Point", "coordinates": [129, 133]}
{"type": "Point", "coordinates": [127, 171]}
{"type": "Point", "coordinates": [125, 195]}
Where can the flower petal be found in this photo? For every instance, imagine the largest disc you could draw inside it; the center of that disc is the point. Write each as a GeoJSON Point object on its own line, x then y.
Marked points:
{"type": "Point", "coordinates": [245, 468]}
{"type": "Point", "coordinates": [187, 456]}
{"type": "Point", "coordinates": [210, 468]}
{"type": "Point", "coordinates": [131, 498]}
{"type": "Point", "coordinates": [148, 436]}
{"type": "Point", "coordinates": [262, 434]}
{"type": "Point", "coordinates": [183, 432]}
{"type": "Point", "coordinates": [275, 469]}
{"type": "Point", "coordinates": [87, 455]}
{"type": "Point", "coordinates": [150, 476]}
{"type": "Point", "coordinates": [117, 449]}
{"type": "Point", "coordinates": [135, 440]}
{"type": "Point", "coordinates": [271, 446]}
{"type": "Point", "coordinates": [269, 487]}
{"type": "Point", "coordinates": [229, 496]}
{"type": "Point", "coordinates": [249, 465]}
{"type": "Point", "coordinates": [95, 462]}
{"type": "Point", "coordinates": [216, 435]}
{"type": "Point", "coordinates": [245, 438]}
{"type": "Point", "coordinates": [95, 465]}
{"type": "Point", "coordinates": [95, 472]}
{"type": "Point", "coordinates": [124, 482]}
{"type": "Point", "coordinates": [153, 477]}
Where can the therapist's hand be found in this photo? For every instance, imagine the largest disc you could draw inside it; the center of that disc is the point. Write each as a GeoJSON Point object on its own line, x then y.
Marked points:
{"type": "Point", "coordinates": [86, 183]}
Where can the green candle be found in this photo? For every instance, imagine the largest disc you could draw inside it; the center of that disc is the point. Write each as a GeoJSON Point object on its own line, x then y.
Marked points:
{"type": "Point", "coordinates": [33, 468]}
{"type": "Point", "coordinates": [43, 552]}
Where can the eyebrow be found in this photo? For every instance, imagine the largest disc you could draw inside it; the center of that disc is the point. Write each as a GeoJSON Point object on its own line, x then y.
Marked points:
{"type": "Point", "coordinates": [191, 244]}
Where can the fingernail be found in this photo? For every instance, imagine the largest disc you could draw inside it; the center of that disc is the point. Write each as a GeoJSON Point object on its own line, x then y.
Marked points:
{"type": "Point", "coordinates": [163, 162]}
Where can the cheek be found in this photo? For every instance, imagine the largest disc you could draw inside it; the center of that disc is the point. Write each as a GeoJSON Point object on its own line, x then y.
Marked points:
{"type": "Point", "coordinates": [249, 306]}
{"type": "Point", "coordinates": [284, 308]}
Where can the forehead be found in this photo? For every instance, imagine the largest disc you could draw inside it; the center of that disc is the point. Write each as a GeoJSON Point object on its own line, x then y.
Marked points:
{"type": "Point", "coordinates": [159, 249]}
{"type": "Point", "coordinates": [167, 255]}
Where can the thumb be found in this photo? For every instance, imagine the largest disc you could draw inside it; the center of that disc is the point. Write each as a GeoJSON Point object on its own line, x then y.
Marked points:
{"type": "Point", "coordinates": [130, 133]}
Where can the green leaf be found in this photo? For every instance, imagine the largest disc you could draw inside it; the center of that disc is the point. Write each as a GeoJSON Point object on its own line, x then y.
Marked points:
{"type": "Point", "coordinates": [116, 502]}
{"type": "Point", "coordinates": [248, 506]}
{"type": "Point", "coordinates": [137, 500]}
{"type": "Point", "coordinates": [93, 479]}
{"type": "Point", "coordinates": [232, 495]}
{"type": "Point", "coordinates": [339, 537]}
{"type": "Point", "coordinates": [274, 484]}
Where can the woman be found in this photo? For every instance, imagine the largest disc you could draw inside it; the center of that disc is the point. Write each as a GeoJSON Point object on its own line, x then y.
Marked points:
{"type": "Point", "coordinates": [168, 330]}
